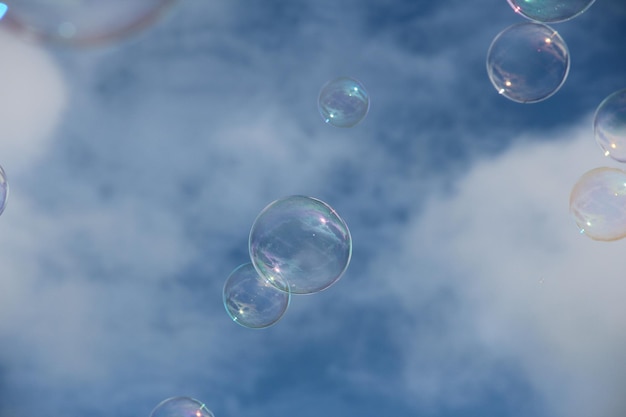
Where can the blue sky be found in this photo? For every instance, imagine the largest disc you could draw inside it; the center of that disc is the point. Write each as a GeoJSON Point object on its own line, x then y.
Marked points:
{"type": "Point", "coordinates": [137, 168]}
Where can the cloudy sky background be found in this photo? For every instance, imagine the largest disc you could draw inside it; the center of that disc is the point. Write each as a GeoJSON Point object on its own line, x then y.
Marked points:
{"type": "Point", "coordinates": [137, 168]}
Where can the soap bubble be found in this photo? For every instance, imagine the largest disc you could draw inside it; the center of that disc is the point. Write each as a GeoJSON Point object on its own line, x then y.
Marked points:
{"type": "Point", "coordinates": [252, 301]}
{"type": "Point", "coordinates": [598, 204]}
{"type": "Point", "coordinates": [82, 22]}
{"type": "Point", "coordinates": [550, 11]}
{"type": "Point", "coordinates": [609, 125]}
{"type": "Point", "coordinates": [528, 62]}
{"type": "Point", "coordinates": [343, 102]}
{"type": "Point", "coordinates": [4, 190]}
{"type": "Point", "coordinates": [3, 10]}
{"type": "Point", "coordinates": [181, 407]}
{"type": "Point", "coordinates": [301, 241]}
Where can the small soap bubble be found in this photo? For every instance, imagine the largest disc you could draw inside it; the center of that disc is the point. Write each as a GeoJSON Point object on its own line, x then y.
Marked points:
{"type": "Point", "coordinates": [343, 102]}
{"type": "Point", "coordinates": [300, 241]}
{"type": "Point", "coordinates": [82, 22]}
{"type": "Point", "coordinates": [4, 190]}
{"type": "Point", "coordinates": [550, 11]}
{"type": "Point", "coordinates": [598, 204]}
{"type": "Point", "coordinates": [251, 301]}
{"type": "Point", "coordinates": [609, 125]}
{"type": "Point", "coordinates": [181, 407]}
{"type": "Point", "coordinates": [528, 62]}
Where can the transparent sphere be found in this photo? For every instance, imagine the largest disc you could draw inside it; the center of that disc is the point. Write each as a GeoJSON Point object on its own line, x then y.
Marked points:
{"type": "Point", "coordinates": [181, 407]}
{"type": "Point", "coordinates": [598, 204]}
{"type": "Point", "coordinates": [528, 62]}
{"type": "Point", "coordinates": [550, 11]}
{"type": "Point", "coordinates": [4, 190]}
{"type": "Point", "coordinates": [343, 102]}
{"type": "Point", "coordinates": [252, 301]}
{"type": "Point", "coordinates": [301, 241]}
{"type": "Point", "coordinates": [82, 22]}
{"type": "Point", "coordinates": [609, 125]}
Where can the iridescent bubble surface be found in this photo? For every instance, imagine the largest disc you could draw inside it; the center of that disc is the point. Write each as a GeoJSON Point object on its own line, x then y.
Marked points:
{"type": "Point", "coordinates": [181, 407]}
{"type": "Point", "coordinates": [3, 10]}
{"type": "Point", "coordinates": [609, 125]}
{"type": "Point", "coordinates": [598, 204]}
{"type": "Point", "coordinates": [301, 241]}
{"type": "Point", "coordinates": [343, 102]}
{"type": "Point", "coordinates": [528, 62]}
{"type": "Point", "coordinates": [252, 301]}
{"type": "Point", "coordinates": [4, 190]}
{"type": "Point", "coordinates": [82, 22]}
{"type": "Point", "coordinates": [550, 11]}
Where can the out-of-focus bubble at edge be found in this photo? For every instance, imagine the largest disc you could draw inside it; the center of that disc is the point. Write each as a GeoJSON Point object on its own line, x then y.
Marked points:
{"type": "Point", "coordinates": [3, 10]}
{"type": "Point", "coordinates": [39, 36]}
{"type": "Point", "coordinates": [5, 182]}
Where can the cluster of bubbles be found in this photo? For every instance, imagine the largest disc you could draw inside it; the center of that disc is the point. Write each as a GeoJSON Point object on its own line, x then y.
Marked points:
{"type": "Point", "coordinates": [598, 199]}
{"type": "Point", "coordinates": [297, 245]}
{"type": "Point", "coordinates": [81, 22]}
{"type": "Point", "coordinates": [529, 62]}
{"type": "Point", "coordinates": [181, 407]}
{"type": "Point", "coordinates": [343, 102]}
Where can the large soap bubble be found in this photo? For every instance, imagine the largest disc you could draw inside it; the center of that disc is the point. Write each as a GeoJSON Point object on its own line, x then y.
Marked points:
{"type": "Point", "coordinates": [343, 102]}
{"type": "Point", "coordinates": [301, 241]}
{"type": "Point", "coordinates": [609, 125]}
{"type": "Point", "coordinates": [598, 204]}
{"type": "Point", "coordinates": [252, 301]}
{"type": "Point", "coordinates": [82, 22]}
{"type": "Point", "coordinates": [528, 62]}
{"type": "Point", "coordinates": [181, 407]}
{"type": "Point", "coordinates": [4, 190]}
{"type": "Point", "coordinates": [550, 11]}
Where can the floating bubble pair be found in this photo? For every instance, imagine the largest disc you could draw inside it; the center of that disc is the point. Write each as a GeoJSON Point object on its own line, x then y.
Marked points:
{"type": "Point", "coordinates": [598, 199]}
{"type": "Point", "coordinates": [297, 245]}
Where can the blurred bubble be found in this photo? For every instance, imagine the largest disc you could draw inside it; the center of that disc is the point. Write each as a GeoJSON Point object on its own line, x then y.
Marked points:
{"type": "Point", "coordinates": [301, 241]}
{"type": "Point", "coordinates": [3, 10]}
{"type": "Point", "coordinates": [4, 190]}
{"type": "Point", "coordinates": [82, 22]}
{"type": "Point", "coordinates": [598, 204]}
{"type": "Point", "coordinates": [181, 407]}
{"type": "Point", "coordinates": [528, 62]}
{"type": "Point", "coordinates": [550, 11]}
{"type": "Point", "coordinates": [343, 102]}
{"type": "Point", "coordinates": [609, 125]}
{"type": "Point", "coordinates": [252, 301]}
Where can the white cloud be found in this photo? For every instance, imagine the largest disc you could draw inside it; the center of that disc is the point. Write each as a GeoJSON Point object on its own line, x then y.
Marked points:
{"type": "Point", "coordinates": [530, 289]}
